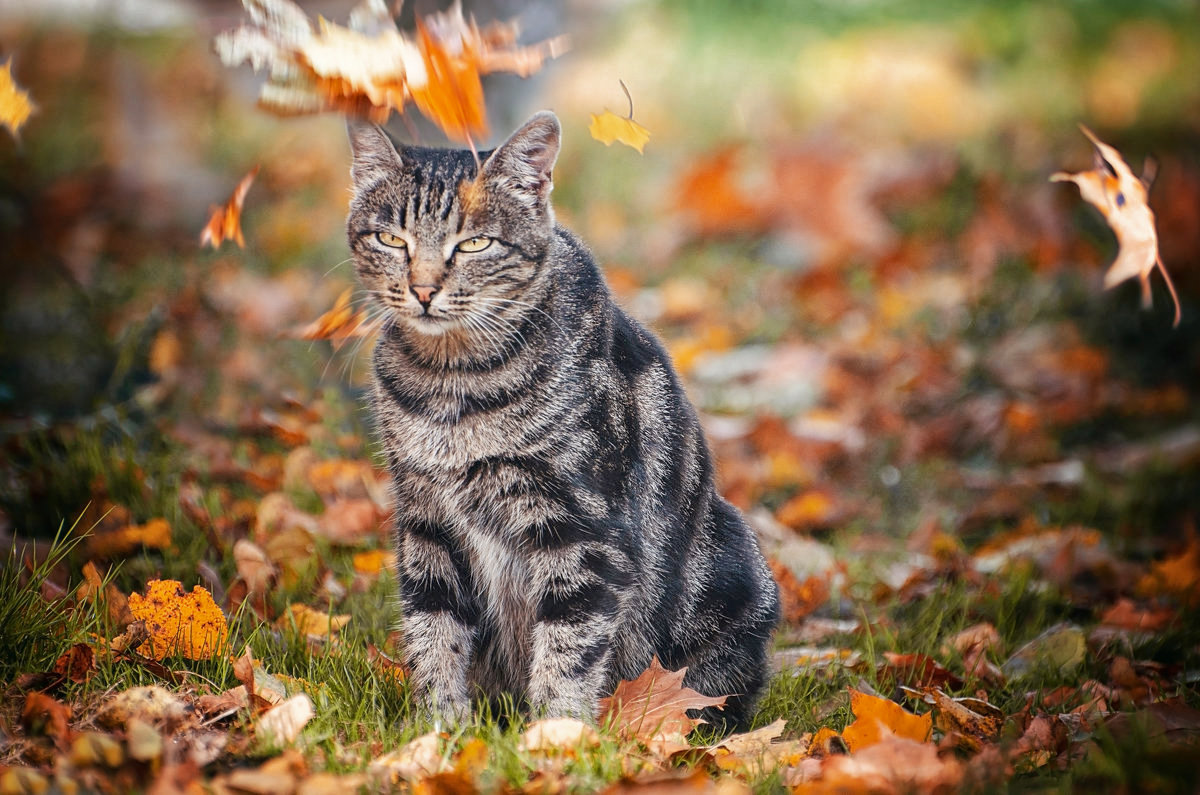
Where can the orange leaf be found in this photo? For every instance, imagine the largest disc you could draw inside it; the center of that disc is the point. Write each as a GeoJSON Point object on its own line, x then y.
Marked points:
{"type": "Point", "coordinates": [609, 127]}
{"type": "Point", "coordinates": [656, 703]}
{"type": "Point", "coordinates": [339, 324]}
{"type": "Point", "coordinates": [15, 105]}
{"type": "Point", "coordinates": [312, 622]}
{"type": "Point", "coordinates": [876, 718]}
{"type": "Point", "coordinates": [76, 663]}
{"type": "Point", "coordinates": [372, 74]}
{"type": "Point", "coordinates": [1178, 575]}
{"type": "Point", "coordinates": [154, 534]}
{"type": "Point", "coordinates": [225, 222]}
{"type": "Point", "coordinates": [1121, 198]}
{"type": "Point", "coordinates": [183, 623]}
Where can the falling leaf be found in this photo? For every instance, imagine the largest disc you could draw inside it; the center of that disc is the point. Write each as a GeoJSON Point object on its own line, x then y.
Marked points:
{"type": "Point", "coordinates": [371, 74]}
{"type": "Point", "coordinates": [655, 703]}
{"type": "Point", "coordinates": [225, 222]}
{"type": "Point", "coordinates": [15, 105]}
{"type": "Point", "coordinates": [283, 723]}
{"type": "Point", "coordinates": [183, 623]}
{"type": "Point", "coordinates": [340, 323]}
{"type": "Point", "coordinates": [154, 534]}
{"type": "Point", "coordinates": [609, 127]}
{"type": "Point", "coordinates": [1121, 198]}
{"type": "Point", "coordinates": [877, 718]}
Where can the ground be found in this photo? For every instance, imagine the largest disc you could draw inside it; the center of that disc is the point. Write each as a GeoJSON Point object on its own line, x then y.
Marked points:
{"type": "Point", "coordinates": [974, 471]}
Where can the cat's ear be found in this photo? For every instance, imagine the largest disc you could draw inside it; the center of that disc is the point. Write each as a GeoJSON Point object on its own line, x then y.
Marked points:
{"type": "Point", "coordinates": [374, 153]}
{"type": "Point", "coordinates": [523, 164]}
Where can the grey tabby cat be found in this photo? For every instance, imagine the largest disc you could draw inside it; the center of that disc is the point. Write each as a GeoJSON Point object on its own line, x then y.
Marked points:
{"type": "Point", "coordinates": [556, 520]}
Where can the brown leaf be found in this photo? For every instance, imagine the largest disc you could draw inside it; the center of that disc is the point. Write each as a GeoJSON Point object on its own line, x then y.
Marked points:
{"type": "Point", "coordinates": [154, 534]}
{"type": "Point", "coordinates": [891, 765]}
{"type": "Point", "coordinates": [919, 671]}
{"type": "Point", "coordinates": [283, 722]}
{"type": "Point", "coordinates": [1113, 189]}
{"type": "Point", "coordinates": [350, 522]}
{"type": "Point", "coordinates": [974, 722]}
{"type": "Point", "coordinates": [225, 221]}
{"type": "Point", "coordinates": [654, 703]}
{"type": "Point", "coordinates": [1125, 614]}
{"type": "Point", "coordinates": [234, 698]}
{"type": "Point", "coordinates": [43, 716]}
{"type": "Point", "coordinates": [77, 663]}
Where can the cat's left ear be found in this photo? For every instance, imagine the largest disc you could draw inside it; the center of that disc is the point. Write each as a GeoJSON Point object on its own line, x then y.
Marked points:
{"type": "Point", "coordinates": [374, 153]}
{"type": "Point", "coordinates": [524, 162]}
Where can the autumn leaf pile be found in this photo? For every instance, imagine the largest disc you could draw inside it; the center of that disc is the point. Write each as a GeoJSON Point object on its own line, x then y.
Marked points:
{"type": "Point", "coordinates": [972, 467]}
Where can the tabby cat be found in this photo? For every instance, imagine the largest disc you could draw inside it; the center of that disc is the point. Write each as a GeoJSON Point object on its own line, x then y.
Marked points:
{"type": "Point", "coordinates": [556, 520]}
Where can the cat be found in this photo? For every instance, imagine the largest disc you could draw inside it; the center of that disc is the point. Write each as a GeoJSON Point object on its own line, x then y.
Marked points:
{"type": "Point", "coordinates": [555, 516]}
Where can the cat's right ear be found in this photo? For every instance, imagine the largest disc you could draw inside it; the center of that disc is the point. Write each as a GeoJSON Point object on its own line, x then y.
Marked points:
{"type": "Point", "coordinates": [374, 153]}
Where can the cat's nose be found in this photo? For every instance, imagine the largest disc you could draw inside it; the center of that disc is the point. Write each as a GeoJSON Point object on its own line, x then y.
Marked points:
{"type": "Point", "coordinates": [424, 293]}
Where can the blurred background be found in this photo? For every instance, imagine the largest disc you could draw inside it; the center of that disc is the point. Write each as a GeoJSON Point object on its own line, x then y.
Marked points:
{"type": "Point", "coordinates": [842, 227]}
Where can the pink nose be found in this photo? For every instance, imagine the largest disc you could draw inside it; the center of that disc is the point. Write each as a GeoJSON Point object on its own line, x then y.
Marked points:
{"type": "Point", "coordinates": [424, 293]}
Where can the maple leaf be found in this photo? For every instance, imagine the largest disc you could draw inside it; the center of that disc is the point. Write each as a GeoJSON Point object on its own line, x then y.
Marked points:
{"type": "Point", "coordinates": [1121, 198]}
{"type": "Point", "coordinates": [654, 704]}
{"type": "Point", "coordinates": [876, 718]}
{"type": "Point", "coordinates": [15, 105]}
{"type": "Point", "coordinates": [370, 73]}
{"type": "Point", "coordinates": [225, 221]}
{"type": "Point", "coordinates": [179, 622]}
{"type": "Point", "coordinates": [339, 323]}
{"type": "Point", "coordinates": [608, 127]}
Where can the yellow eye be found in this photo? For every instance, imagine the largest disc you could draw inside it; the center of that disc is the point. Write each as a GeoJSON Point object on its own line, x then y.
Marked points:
{"type": "Point", "coordinates": [474, 244]}
{"type": "Point", "coordinates": [390, 240]}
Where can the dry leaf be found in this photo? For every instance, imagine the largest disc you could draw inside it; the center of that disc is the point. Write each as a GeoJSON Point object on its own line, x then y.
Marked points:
{"type": "Point", "coordinates": [77, 663]}
{"type": "Point", "coordinates": [225, 222]}
{"type": "Point", "coordinates": [372, 74]}
{"type": "Point", "coordinates": [91, 749]}
{"type": "Point", "coordinates": [253, 566]}
{"type": "Point", "coordinates": [311, 622]}
{"type": "Point", "coordinates": [151, 703]}
{"type": "Point", "coordinates": [919, 670]}
{"type": "Point", "coordinates": [283, 723]}
{"type": "Point", "coordinates": [892, 765]}
{"type": "Point", "coordinates": [877, 718]}
{"type": "Point", "coordinates": [15, 105]}
{"type": "Point", "coordinates": [154, 534]}
{"type": "Point", "coordinates": [183, 623]}
{"type": "Point", "coordinates": [419, 759]}
{"type": "Point", "coordinates": [339, 324]}
{"type": "Point", "coordinates": [655, 703]}
{"type": "Point", "coordinates": [1178, 575]}
{"type": "Point", "coordinates": [558, 734]}
{"type": "Point", "coordinates": [43, 716]}
{"type": "Point", "coordinates": [1121, 198]}
{"type": "Point", "coordinates": [609, 127]}
{"type": "Point", "coordinates": [973, 721]}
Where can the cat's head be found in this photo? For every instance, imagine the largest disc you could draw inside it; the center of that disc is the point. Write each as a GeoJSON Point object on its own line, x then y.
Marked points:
{"type": "Point", "coordinates": [446, 244]}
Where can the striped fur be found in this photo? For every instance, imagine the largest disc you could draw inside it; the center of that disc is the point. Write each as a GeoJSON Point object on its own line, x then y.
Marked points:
{"type": "Point", "coordinates": [556, 519]}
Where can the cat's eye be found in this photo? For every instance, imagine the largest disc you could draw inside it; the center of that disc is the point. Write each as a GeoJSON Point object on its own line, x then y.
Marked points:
{"type": "Point", "coordinates": [390, 240]}
{"type": "Point", "coordinates": [474, 244]}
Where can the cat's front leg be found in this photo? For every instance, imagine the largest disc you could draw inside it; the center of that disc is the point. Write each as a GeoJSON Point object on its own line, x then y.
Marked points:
{"type": "Point", "coordinates": [440, 616]}
{"type": "Point", "coordinates": [573, 630]}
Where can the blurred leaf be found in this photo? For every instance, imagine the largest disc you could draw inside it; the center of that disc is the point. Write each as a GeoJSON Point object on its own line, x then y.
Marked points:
{"type": "Point", "coordinates": [1121, 198]}
{"type": "Point", "coordinates": [15, 105]}
{"type": "Point", "coordinates": [225, 221]}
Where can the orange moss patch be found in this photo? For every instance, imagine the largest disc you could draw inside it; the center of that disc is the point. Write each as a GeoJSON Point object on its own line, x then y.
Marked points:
{"type": "Point", "coordinates": [188, 624]}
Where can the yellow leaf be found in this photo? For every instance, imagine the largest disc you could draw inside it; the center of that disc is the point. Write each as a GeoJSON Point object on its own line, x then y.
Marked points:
{"type": "Point", "coordinates": [154, 534]}
{"type": "Point", "coordinates": [15, 105]}
{"type": "Point", "coordinates": [312, 622]}
{"type": "Point", "coordinates": [179, 622]}
{"type": "Point", "coordinates": [1121, 197]}
{"type": "Point", "coordinates": [609, 127]}
{"type": "Point", "coordinates": [876, 718]}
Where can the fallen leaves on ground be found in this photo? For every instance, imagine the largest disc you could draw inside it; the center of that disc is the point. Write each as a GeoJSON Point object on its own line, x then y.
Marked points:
{"type": "Point", "coordinates": [876, 718]}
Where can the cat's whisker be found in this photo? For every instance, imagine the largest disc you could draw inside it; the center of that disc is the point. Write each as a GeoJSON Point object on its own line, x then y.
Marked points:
{"type": "Point", "coordinates": [495, 300]}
